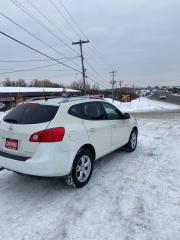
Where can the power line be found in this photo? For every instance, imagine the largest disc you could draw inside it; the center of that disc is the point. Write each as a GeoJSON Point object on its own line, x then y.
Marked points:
{"type": "Point", "coordinates": [100, 82]}
{"type": "Point", "coordinates": [102, 85]}
{"type": "Point", "coordinates": [39, 22]}
{"type": "Point", "coordinates": [26, 11]}
{"type": "Point", "coordinates": [30, 33]}
{"type": "Point", "coordinates": [65, 19]}
{"type": "Point", "coordinates": [33, 60]}
{"type": "Point", "coordinates": [94, 60]}
{"type": "Point", "coordinates": [78, 27]}
{"type": "Point", "coordinates": [35, 50]}
{"type": "Point", "coordinates": [60, 15]}
{"type": "Point", "coordinates": [29, 69]}
{"type": "Point", "coordinates": [56, 70]}
{"type": "Point", "coordinates": [49, 21]}
{"type": "Point", "coordinates": [54, 76]}
{"type": "Point", "coordinates": [32, 69]}
{"type": "Point", "coordinates": [3, 69]}
{"type": "Point", "coordinates": [72, 19]}
{"type": "Point", "coordinates": [94, 70]}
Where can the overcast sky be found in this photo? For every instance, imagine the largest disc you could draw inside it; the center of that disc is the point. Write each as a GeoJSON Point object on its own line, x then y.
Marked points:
{"type": "Point", "coordinates": [140, 39]}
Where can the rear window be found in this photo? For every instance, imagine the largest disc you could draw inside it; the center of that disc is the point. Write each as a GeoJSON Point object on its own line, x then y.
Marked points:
{"type": "Point", "coordinates": [31, 113]}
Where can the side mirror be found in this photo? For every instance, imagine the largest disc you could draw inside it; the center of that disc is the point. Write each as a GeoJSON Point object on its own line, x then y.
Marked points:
{"type": "Point", "coordinates": [126, 116]}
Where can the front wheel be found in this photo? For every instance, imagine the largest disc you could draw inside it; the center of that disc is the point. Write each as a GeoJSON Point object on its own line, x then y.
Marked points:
{"type": "Point", "coordinates": [81, 170]}
{"type": "Point", "coordinates": [132, 144]}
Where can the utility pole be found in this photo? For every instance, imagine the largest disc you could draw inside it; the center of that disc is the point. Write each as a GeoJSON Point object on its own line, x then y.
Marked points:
{"type": "Point", "coordinates": [120, 83]}
{"type": "Point", "coordinates": [113, 82]}
{"type": "Point", "coordinates": [80, 43]}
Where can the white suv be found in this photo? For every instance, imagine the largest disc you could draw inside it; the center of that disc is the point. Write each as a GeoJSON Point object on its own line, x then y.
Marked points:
{"type": "Point", "coordinates": [63, 137]}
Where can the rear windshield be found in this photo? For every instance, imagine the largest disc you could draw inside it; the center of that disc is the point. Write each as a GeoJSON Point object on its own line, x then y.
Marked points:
{"type": "Point", "coordinates": [31, 113]}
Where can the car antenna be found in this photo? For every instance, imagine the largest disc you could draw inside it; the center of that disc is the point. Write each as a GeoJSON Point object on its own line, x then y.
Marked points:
{"type": "Point", "coordinates": [45, 97]}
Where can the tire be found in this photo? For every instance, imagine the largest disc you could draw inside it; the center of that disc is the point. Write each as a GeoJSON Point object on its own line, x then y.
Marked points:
{"type": "Point", "coordinates": [132, 144]}
{"type": "Point", "coordinates": [81, 170]}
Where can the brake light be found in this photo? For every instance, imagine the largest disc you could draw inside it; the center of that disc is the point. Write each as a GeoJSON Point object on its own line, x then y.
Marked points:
{"type": "Point", "coordinates": [48, 135]}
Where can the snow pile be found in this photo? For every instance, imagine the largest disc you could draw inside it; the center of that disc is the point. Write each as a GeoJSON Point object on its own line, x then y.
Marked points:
{"type": "Point", "coordinates": [144, 105]}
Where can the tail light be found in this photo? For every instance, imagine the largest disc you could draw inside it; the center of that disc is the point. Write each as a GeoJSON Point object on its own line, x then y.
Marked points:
{"type": "Point", "coordinates": [48, 135]}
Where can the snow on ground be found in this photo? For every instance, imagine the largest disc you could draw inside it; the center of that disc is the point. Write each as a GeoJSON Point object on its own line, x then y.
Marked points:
{"type": "Point", "coordinates": [131, 196]}
{"type": "Point", "coordinates": [144, 105]}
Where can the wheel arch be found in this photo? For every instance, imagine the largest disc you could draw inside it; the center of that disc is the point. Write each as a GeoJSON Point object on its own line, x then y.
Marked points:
{"type": "Point", "coordinates": [90, 148]}
{"type": "Point", "coordinates": [135, 128]}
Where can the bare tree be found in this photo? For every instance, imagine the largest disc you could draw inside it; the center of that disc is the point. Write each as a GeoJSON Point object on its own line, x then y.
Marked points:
{"type": "Point", "coordinates": [78, 85]}
{"type": "Point", "coordinates": [95, 87]}
{"type": "Point", "coordinates": [21, 83]}
{"type": "Point", "coordinates": [44, 83]}
{"type": "Point", "coordinates": [6, 82]}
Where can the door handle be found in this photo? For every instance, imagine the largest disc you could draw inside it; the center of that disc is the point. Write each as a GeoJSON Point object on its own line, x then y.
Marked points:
{"type": "Point", "coordinates": [92, 130]}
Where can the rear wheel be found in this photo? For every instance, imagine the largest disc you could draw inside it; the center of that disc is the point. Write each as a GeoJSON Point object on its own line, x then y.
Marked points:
{"type": "Point", "coordinates": [82, 169]}
{"type": "Point", "coordinates": [132, 144]}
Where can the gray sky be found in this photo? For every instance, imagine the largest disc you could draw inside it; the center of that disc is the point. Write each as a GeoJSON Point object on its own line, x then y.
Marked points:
{"type": "Point", "coordinates": [140, 39]}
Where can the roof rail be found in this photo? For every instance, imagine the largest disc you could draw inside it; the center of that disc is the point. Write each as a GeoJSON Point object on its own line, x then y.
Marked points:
{"type": "Point", "coordinates": [98, 96]}
{"type": "Point", "coordinates": [40, 98]}
{"type": "Point", "coordinates": [68, 99]}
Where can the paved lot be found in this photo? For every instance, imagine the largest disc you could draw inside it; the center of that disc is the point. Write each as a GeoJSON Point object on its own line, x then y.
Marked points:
{"type": "Point", "coordinates": [130, 197]}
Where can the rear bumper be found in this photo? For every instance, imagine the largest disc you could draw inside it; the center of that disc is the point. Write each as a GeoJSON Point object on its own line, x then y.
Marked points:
{"type": "Point", "coordinates": [18, 158]}
{"type": "Point", "coordinates": [43, 164]}
{"type": "Point", "coordinates": [44, 169]}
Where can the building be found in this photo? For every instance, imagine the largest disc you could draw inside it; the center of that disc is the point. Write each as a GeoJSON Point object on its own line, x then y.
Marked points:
{"type": "Point", "coordinates": [10, 96]}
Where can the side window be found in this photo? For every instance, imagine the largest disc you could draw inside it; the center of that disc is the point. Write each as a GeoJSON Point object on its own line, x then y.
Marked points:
{"type": "Point", "coordinates": [93, 111]}
{"type": "Point", "coordinates": [76, 111]}
{"type": "Point", "coordinates": [112, 112]}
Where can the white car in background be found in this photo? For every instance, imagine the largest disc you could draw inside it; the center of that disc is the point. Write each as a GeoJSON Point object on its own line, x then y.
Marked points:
{"type": "Point", "coordinates": [162, 97]}
{"type": "Point", "coordinates": [63, 137]}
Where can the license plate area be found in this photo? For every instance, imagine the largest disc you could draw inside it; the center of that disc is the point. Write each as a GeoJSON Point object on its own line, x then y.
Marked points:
{"type": "Point", "coordinates": [11, 144]}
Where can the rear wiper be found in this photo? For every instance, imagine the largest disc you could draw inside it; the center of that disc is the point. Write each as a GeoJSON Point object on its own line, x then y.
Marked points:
{"type": "Point", "coordinates": [11, 120]}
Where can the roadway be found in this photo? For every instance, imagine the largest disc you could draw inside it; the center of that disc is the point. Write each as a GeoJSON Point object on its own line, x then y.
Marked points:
{"type": "Point", "coordinates": [169, 98]}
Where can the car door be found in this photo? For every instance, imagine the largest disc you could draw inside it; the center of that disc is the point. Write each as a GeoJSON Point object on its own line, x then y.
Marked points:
{"type": "Point", "coordinates": [119, 126]}
{"type": "Point", "coordinates": [98, 127]}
